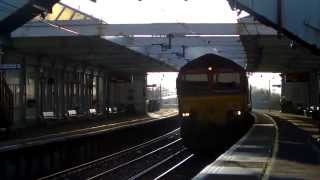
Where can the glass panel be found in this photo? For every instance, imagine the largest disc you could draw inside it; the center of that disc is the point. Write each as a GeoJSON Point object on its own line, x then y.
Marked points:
{"type": "Point", "coordinates": [66, 14]}
{"type": "Point", "coordinates": [196, 77]}
{"type": "Point", "coordinates": [228, 78]}
{"type": "Point", "coordinates": [56, 10]}
{"type": "Point", "coordinates": [78, 16]}
{"type": "Point", "coordinates": [227, 81]}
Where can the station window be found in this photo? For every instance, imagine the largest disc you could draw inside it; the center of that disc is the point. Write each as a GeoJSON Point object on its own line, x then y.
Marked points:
{"type": "Point", "coordinates": [196, 77]}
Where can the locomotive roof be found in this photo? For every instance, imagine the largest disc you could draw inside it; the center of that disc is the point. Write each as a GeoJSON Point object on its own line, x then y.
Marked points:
{"type": "Point", "coordinates": [212, 60]}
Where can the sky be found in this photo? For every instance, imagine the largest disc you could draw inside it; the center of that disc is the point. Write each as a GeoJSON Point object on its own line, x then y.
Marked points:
{"type": "Point", "coordinates": [261, 80]}
{"type": "Point", "coordinates": [168, 11]}
{"type": "Point", "coordinates": [157, 11]}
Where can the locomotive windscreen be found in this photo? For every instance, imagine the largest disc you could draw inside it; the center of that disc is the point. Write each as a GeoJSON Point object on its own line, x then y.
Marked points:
{"type": "Point", "coordinates": [226, 81]}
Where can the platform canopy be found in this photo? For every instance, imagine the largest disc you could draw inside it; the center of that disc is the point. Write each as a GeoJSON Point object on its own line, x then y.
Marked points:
{"type": "Point", "coordinates": [276, 53]}
{"type": "Point", "coordinates": [94, 51]}
{"type": "Point", "coordinates": [297, 19]}
{"type": "Point", "coordinates": [76, 47]}
{"type": "Point", "coordinates": [15, 13]}
{"type": "Point", "coordinates": [160, 46]}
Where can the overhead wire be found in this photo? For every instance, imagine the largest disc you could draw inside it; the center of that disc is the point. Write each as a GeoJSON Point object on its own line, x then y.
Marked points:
{"type": "Point", "coordinates": [189, 30]}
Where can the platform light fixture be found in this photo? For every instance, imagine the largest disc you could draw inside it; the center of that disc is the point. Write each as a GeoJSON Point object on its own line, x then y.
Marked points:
{"type": "Point", "coordinates": [185, 114]}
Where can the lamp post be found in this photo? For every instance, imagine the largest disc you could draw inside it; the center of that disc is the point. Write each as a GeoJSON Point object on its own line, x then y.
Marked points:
{"type": "Point", "coordinates": [270, 93]}
{"type": "Point", "coordinates": [161, 90]}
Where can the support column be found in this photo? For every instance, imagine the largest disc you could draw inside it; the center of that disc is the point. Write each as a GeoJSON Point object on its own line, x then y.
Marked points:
{"type": "Point", "coordinates": [86, 92]}
{"type": "Point", "coordinates": [82, 89]}
{"type": "Point", "coordinates": [3, 41]}
{"type": "Point", "coordinates": [73, 88]}
{"type": "Point", "coordinates": [66, 80]}
{"type": "Point", "coordinates": [44, 89]}
{"type": "Point", "coordinates": [1, 53]}
{"type": "Point", "coordinates": [62, 91]}
{"type": "Point", "coordinates": [50, 88]}
{"type": "Point", "coordinates": [98, 100]}
{"type": "Point", "coordinates": [56, 90]}
{"type": "Point", "coordinates": [314, 88]}
{"type": "Point", "coordinates": [104, 91]}
{"type": "Point", "coordinates": [22, 93]}
{"type": "Point", "coordinates": [41, 88]}
{"type": "Point", "coordinates": [108, 90]}
{"type": "Point", "coordinates": [69, 97]}
{"type": "Point", "coordinates": [283, 84]}
{"type": "Point", "coordinates": [36, 89]}
{"type": "Point", "coordinates": [92, 78]}
{"type": "Point", "coordinates": [77, 88]}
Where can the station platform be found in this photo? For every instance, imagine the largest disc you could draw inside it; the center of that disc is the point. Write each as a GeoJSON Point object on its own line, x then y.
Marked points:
{"type": "Point", "coordinates": [278, 146]}
{"type": "Point", "coordinates": [56, 132]}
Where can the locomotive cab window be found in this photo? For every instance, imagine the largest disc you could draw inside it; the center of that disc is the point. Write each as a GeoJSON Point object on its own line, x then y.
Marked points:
{"type": "Point", "coordinates": [229, 81]}
{"type": "Point", "coordinates": [194, 84]}
{"type": "Point", "coordinates": [196, 77]}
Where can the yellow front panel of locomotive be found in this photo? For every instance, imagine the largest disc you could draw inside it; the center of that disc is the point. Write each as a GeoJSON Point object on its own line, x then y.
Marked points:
{"type": "Point", "coordinates": [211, 109]}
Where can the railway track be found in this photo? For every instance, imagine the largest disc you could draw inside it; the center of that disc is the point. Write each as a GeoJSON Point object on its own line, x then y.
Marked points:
{"type": "Point", "coordinates": [152, 159]}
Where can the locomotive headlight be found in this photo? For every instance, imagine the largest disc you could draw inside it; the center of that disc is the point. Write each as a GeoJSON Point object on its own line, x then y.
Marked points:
{"type": "Point", "coordinates": [210, 68]}
{"type": "Point", "coordinates": [185, 114]}
{"type": "Point", "coordinates": [238, 113]}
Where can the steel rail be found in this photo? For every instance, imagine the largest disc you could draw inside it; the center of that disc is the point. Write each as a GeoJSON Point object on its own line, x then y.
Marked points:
{"type": "Point", "coordinates": [142, 173]}
{"type": "Point", "coordinates": [132, 161]}
{"type": "Point", "coordinates": [173, 167]}
{"type": "Point", "coordinates": [101, 160]}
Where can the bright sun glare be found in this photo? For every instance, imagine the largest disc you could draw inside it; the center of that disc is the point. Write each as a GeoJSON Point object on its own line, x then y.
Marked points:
{"type": "Point", "coordinates": [164, 11]}
{"type": "Point", "coordinates": [156, 11]}
{"type": "Point", "coordinates": [266, 81]}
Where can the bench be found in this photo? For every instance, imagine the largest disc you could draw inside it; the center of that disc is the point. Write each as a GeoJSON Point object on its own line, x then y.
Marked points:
{"type": "Point", "coordinates": [111, 110]}
{"type": "Point", "coordinates": [73, 114]}
{"type": "Point", "coordinates": [48, 117]}
{"type": "Point", "coordinates": [92, 112]}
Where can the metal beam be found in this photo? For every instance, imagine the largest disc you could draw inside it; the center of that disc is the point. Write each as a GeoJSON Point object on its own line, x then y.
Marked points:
{"type": "Point", "coordinates": [91, 28]}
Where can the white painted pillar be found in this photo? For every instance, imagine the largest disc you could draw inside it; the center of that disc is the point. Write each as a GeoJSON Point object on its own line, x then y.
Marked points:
{"type": "Point", "coordinates": [138, 91]}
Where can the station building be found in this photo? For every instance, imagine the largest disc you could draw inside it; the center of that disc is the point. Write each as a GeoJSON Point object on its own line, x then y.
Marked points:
{"type": "Point", "coordinates": [60, 73]}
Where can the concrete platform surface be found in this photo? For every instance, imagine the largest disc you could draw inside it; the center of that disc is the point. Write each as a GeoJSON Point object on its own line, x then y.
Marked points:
{"type": "Point", "coordinates": [274, 148]}
{"type": "Point", "coordinates": [40, 135]}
